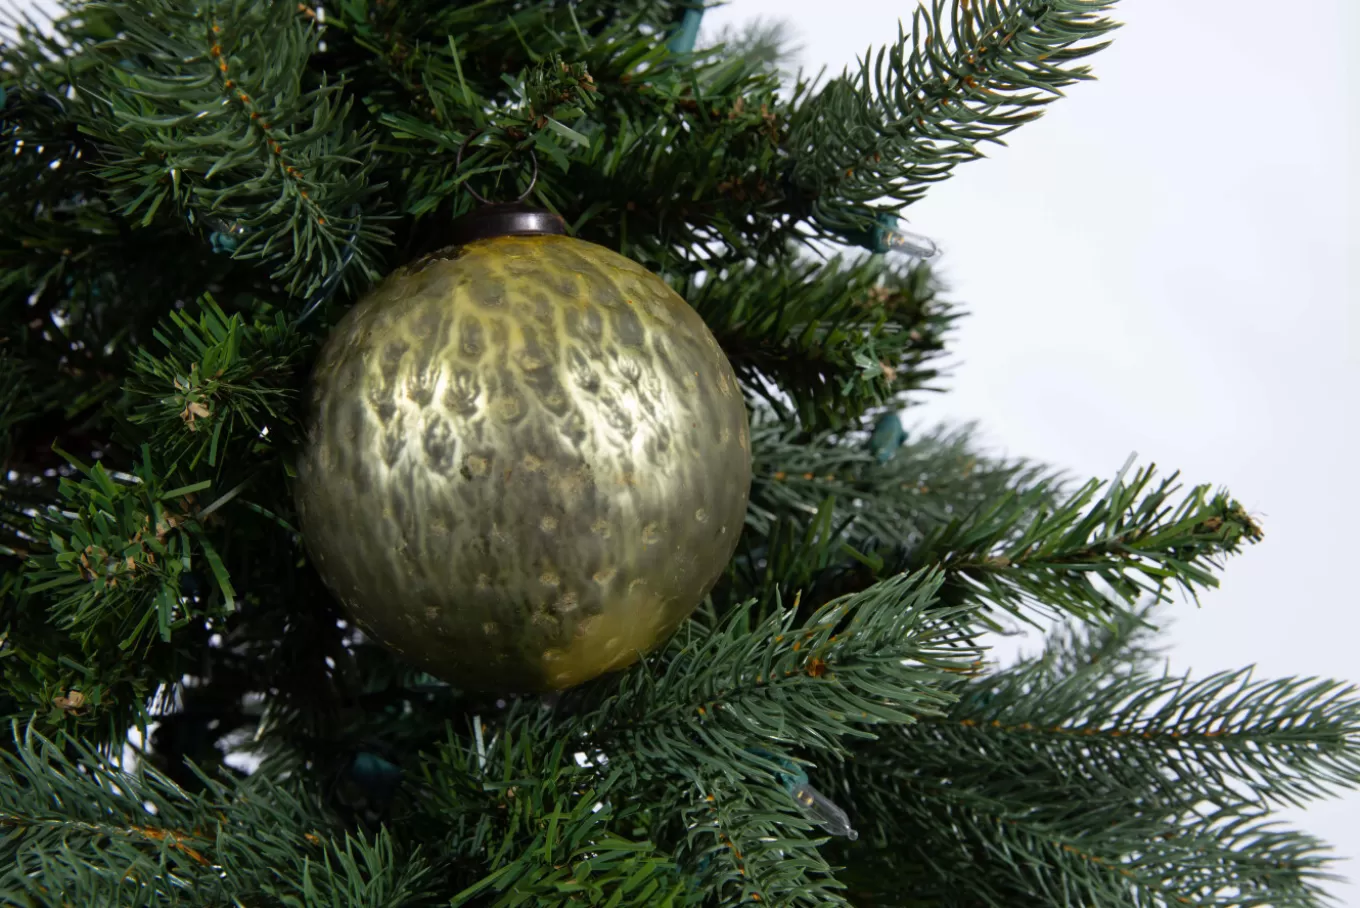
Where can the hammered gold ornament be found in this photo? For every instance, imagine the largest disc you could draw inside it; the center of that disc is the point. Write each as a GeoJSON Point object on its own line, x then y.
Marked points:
{"type": "Point", "coordinates": [527, 461]}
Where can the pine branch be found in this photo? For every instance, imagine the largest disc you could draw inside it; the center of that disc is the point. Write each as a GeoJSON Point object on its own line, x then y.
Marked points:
{"type": "Point", "coordinates": [988, 846]}
{"type": "Point", "coordinates": [771, 42]}
{"type": "Point", "coordinates": [1124, 643]}
{"type": "Point", "coordinates": [857, 663]}
{"type": "Point", "coordinates": [80, 286]}
{"type": "Point", "coordinates": [409, 44]}
{"type": "Point", "coordinates": [1102, 784]}
{"type": "Point", "coordinates": [995, 853]}
{"type": "Point", "coordinates": [215, 386]}
{"type": "Point", "coordinates": [692, 181]}
{"type": "Point", "coordinates": [969, 72]}
{"type": "Point", "coordinates": [1016, 555]}
{"type": "Point", "coordinates": [663, 162]}
{"type": "Point", "coordinates": [1131, 538]}
{"type": "Point", "coordinates": [97, 610]}
{"type": "Point", "coordinates": [213, 114]}
{"type": "Point", "coordinates": [836, 338]}
{"type": "Point", "coordinates": [741, 838]}
{"type": "Point", "coordinates": [795, 556]}
{"type": "Point", "coordinates": [548, 98]}
{"type": "Point", "coordinates": [751, 852]}
{"type": "Point", "coordinates": [528, 825]}
{"type": "Point", "coordinates": [1225, 737]}
{"type": "Point", "coordinates": [17, 401]}
{"type": "Point", "coordinates": [705, 717]}
{"type": "Point", "coordinates": [823, 509]}
{"type": "Point", "coordinates": [1020, 547]}
{"type": "Point", "coordinates": [935, 476]}
{"type": "Point", "coordinates": [27, 484]}
{"type": "Point", "coordinates": [79, 826]}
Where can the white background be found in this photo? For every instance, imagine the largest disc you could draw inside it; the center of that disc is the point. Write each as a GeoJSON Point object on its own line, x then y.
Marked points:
{"type": "Point", "coordinates": [1163, 264]}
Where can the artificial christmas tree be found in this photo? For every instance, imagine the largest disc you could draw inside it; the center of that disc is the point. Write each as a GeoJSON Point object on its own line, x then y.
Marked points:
{"type": "Point", "coordinates": [193, 195]}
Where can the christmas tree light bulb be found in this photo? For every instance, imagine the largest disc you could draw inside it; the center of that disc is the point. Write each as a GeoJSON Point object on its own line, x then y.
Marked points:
{"type": "Point", "coordinates": [903, 241]}
{"type": "Point", "coordinates": [821, 810]}
{"type": "Point", "coordinates": [888, 235]}
{"type": "Point", "coordinates": [814, 805]}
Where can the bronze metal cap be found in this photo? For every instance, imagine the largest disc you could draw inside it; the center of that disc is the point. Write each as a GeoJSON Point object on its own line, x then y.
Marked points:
{"type": "Point", "coordinates": [506, 220]}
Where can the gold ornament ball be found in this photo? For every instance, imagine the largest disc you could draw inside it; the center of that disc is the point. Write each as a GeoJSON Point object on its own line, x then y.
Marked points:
{"type": "Point", "coordinates": [527, 461]}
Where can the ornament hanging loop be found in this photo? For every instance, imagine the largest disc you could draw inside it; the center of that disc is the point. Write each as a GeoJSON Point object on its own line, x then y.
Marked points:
{"type": "Point", "coordinates": [458, 165]}
{"type": "Point", "coordinates": [495, 219]}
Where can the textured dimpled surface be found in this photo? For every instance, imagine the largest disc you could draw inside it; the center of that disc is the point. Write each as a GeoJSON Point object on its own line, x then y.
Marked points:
{"type": "Point", "coordinates": [528, 460]}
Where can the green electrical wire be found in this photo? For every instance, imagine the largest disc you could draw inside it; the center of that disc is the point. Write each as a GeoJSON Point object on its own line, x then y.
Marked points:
{"type": "Point", "coordinates": [686, 34]}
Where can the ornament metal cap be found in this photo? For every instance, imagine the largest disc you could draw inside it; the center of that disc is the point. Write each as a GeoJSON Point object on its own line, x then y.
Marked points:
{"type": "Point", "coordinates": [511, 219]}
